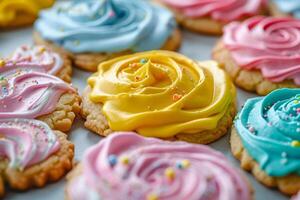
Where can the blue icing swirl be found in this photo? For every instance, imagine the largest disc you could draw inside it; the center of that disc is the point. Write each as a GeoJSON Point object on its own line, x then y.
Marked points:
{"type": "Point", "coordinates": [269, 128]}
{"type": "Point", "coordinates": [106, 25]}
{"type": "Point", "coordinates": [289, 6]}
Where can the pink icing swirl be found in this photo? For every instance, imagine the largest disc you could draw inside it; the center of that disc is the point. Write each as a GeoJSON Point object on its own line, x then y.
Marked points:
{"type": "Point", "coordinates": [269, 44]}
{"type": "Point", "coordinates": [224, 11]}
{"type": "Point", "coordinates": [26, 142]}
{"type": "Point", "coordinates": [30, 94]}
{"type": "Point", "coordinates": [296, 197]}
{"type": "Point", "coordinates": [37, 58]}
{"type": "Point", "coordinates": [129, 166]}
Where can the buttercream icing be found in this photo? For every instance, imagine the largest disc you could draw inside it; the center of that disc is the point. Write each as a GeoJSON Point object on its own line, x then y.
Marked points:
{"type": "Point", "coordinates": [224, 11]}
{"type": "Point", "coordinates": [268, 44]}
{"type": "Point", "coordinates": [128, 166]}
{"type": "Point", "coordinates": [161, 93]}
{"type": "Point", "coordinates": [269, 128]}
{"type": "Point", "coordinates": [26, 142]}
{"type": "Point", "coordinates": [107, 25]}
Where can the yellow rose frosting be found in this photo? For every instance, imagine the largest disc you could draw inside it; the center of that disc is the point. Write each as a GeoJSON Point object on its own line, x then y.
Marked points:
{"type": "Point", "coordinates": [161, 93]}
{"type": "Point", "coordinates": [21, 12]}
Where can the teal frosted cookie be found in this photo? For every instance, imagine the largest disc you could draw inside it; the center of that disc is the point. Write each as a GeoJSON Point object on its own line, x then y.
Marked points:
{"type": "Point", "coordinates": [92, 31]}
{"type": "Point", "coordinates": [266, 138]}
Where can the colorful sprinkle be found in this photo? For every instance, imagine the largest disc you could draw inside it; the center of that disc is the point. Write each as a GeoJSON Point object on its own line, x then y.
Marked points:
{"type": "Point", "coordinates": [143, 61]}
{"type": "Point", "coordinates": [112, 160]}
{"type": "Point", "coordinates": [170, 173]}
{"type": "Point", "coordinates": [152, 196]}
{"type": "Point", "coordinates": [186, 163]}
{"type": "Point", "coordinates": [177, 97]}
{"type": "Point", "coordinates": [2, 63]}
{"type": "Point", "coordinates": [125, 160]}
{"type": "Point", "coordinates": [295, 143]}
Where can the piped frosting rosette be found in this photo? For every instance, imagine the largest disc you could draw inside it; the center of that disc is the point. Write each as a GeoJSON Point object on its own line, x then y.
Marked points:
{"type": "Point", "coordinates": [26, 142]}
{"type": "Point", "coordinates": [28, 94]}
{"type": "Point", "coordinates": [268, 44]}
{"type": "Point", "coordinates": [161, 94]}
{"type": "Point", "coordinates": [288, 7]}
{"type": "Point", "coordinates": [37, 59]}
{"type": "Point", "coordinates": [224, 11]}
{"type": "Point", "coordinates": [106, 26]}
{"type": "Point", "coordinates": [128, 166]}
{"type": "Point", "coordinates": [17, 11]}
{"type": "Point", "coordinates": [269, 128]}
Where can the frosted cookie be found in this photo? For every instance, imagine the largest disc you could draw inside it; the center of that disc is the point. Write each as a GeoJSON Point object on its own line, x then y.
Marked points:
{"type": "Point", "coordinates": [261, 54]}
{"type": "Point", "coordinates": [281, 8]}
{"type": "Point", "coordinates": [35, 95]}
{"type": "Point", "coordinates": [31, 154]}
{"type": "Point", "coordinates": [39, 59]}
{"type": "Point", "coordinates": [266, 139]}
{"type": "Point", "coordinates": [160, 94]}
{"type": "Point", "coordinates": [18, 13]}
{"type": "Point", "coordinates": [94, 31]}
{"type": "Point", "coordinates": [209, 16]}
{"type": "Point", "coordinates": [128, 166]}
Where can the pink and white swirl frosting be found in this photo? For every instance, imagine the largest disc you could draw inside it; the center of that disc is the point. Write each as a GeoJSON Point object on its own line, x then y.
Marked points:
{"type": "Point", "coordinates": [36, 58]}
{"type": "Point", "coordinates": [28, 94]}
{"type": "Point", "coordinates": [26, 142]}
{"type": "Point", "coordinates": [224, 11]}
{"type": "Point", "coordinates": [128, 166]}
{"type": "Point", "coordinates": [269, 44]}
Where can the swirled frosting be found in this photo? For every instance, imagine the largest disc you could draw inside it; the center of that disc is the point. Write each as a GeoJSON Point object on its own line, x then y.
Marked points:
{"type": "Point", "coordinates": [224, 11]}
{"type": "Point", "coordinates": [106, 26]}
{"type": "Point", "coordinates": [288, 7]}
{"type": "Point", "coordinates": [268, 44]}
{"type": "Point", "coordinates": [38, 59]}
{"type": "Point", "coordinates": [269, 128]}
{"type": "Point", "coordinates": [137, 90]}
{"type": "Point", "coordinates": [12, 11]}
{"type": "Point", "coordinates": [27, 94]}
{"type": "Point", "coordinates": [128, 166]}
{"type": "Point", "coordinates": [26, 142]}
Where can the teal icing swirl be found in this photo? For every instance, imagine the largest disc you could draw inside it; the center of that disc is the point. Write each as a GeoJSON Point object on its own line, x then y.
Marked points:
{"type": "Point", "coordinates": [269, 128]}
{"type": "Point", "coordinates": [106, 25]}
{"type": "Point", "coordinates": [289, 7]}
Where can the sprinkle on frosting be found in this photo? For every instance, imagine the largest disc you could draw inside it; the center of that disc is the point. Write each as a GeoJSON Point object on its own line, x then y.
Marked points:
{"type": "Point", "coordinates": [269, 44]}
{"type": "Point", "coordinates": [26, 142]}
{"type": "Point", "coordinates": [275, 147]}
{"type": "Point", "coordinates": [107, 26]}
{"type": "Point", "coordinates": [190, 97]}
{"type": "Point", "coordinates": [152, 173]}
{"type": "Point", "coordinates": [224, 11]}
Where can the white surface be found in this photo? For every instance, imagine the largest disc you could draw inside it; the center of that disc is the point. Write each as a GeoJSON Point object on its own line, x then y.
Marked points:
{"type": "Point", "coordinates": [194, 46]}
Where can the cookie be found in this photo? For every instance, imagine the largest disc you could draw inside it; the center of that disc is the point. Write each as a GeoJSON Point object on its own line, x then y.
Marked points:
{"type": "Point", "coordinates": [35, 95]}
{"type": "Point", "coordinates": [210, 16]}
{"type": "Point", "coordinates": [102, 30]}
{"type": "Point", "coordinates": [31, 154]}
{"type": "Point", "coordinates": [266, 139]}
{"type": "Point", "coordinates": [39, 59]}
{"type": "Point", "coordinates": [19, 13]}
{"type": "Point", "coordinates": [282, 8]}
{"type": "Point", "coordinates": [160, 94]}
{"type": "Point", "coordinates": [258, 56]}
{"type": "Point", "coordinates": [128, 166]}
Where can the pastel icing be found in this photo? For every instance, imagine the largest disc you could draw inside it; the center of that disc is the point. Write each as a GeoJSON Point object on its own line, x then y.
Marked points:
{"type": "Point", "coordinates": [269, 128]}
{"type": "Point", "coordinates": [288, 6]}
{"type": "Point", "coordinates": [12, 11]}
{"type": "Point", "coordinates": [224, 11]}
{"type": "Point", "coordinates": [137, 90]}
{"type": "Point", "coordinates": [268, 44]}
{"type": "Point", "coordinates": [296, 197]}
{"type": "Point", "coordinates": [29, 94]}
{"type": "Point", "coordinates": [37, 58]}
{"type": "Point", "coordinates": [127, 166]}
{"type": "Point", "coordinates": [26, 142]}
{"type": "Point", "coordinates": [107, 25]}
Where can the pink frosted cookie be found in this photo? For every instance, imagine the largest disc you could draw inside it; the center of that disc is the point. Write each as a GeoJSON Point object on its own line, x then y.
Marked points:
{"type": "Point", "coordinates": [35, 95]}
{"type": "Point", "coordinates": [261, 54]}
{"type": "Point", "coordinates": [39, 59]}
{"type": "Point", "coordinates": [31, 154]}
{"type": "Point", "coordinates": [128, 166]}
{"type": "Point", "coordinates": [209, 16]}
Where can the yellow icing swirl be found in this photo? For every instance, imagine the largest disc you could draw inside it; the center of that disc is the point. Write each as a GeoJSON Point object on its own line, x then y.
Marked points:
{"type": "Point", "coordinates": [21, 12]}
{"type": "Point", "coordinates": [161, 93]}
